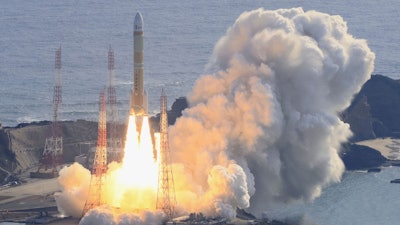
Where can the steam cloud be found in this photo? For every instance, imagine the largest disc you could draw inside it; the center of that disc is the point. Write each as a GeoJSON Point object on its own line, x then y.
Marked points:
{"type": "Point", "coordinates": [263, 125]}
{"type": "Point", "coordinates": [75, 180]}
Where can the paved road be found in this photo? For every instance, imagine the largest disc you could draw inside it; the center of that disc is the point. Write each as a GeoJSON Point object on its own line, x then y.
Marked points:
{"type": "Point", "coordinates": [34, 193]}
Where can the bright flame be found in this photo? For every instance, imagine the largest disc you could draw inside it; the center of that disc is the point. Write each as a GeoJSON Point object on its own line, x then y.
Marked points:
{"type": "Point", "coordinates": [136, 184]}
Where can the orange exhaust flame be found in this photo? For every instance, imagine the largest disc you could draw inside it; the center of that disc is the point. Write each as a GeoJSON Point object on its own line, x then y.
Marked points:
{"type": "Point", "coordinates": [136, 180]}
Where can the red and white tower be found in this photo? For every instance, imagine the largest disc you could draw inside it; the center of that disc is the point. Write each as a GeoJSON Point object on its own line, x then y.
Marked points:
{"type": "Point", "coordinates": [99, 169]}
{"type": "Point", "coordinates": [52, 156]}
{"type": "Point", "coordinates": [166, 199]}
{"type": "Point", "coordinates": [114, 143]}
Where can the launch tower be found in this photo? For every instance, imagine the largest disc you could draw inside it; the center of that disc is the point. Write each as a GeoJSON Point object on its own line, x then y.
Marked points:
{"type": "Point", "coordinates": [166, 200]}
{"type": "Point", "coordinates": [114, 143]}
{"type": "Point", "coordinates": [98, 175]}
{"type": "Point", "coordinates": [53, 150]}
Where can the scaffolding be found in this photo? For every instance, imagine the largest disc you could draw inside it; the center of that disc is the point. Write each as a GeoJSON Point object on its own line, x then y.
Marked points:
{"type": "Point", "coordinates": [114, 142]}
{"type": "Point", "coordinates": [52, 156]}
{"type": "Point", "coordinates": [166, 199]}
{"type": "Point", "coordinates": [98, 173]}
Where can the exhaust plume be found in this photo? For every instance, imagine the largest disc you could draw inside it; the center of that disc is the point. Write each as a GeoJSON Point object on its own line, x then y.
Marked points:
{"type": "Point", "coordinates": [263, 125]}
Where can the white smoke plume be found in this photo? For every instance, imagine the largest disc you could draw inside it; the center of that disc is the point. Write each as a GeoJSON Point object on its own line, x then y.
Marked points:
{"type": "Point", "coordinates": [107, 216]}
{"type": "Point", "coordinates": [128, 189]}
{"type": "Point", "coordinates": [263, 125]}
{"type": "Point", "coordinates": [74, 181]}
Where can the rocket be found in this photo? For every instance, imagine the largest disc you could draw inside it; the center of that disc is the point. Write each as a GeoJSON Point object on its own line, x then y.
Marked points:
{"type": "Point", "coordinates": [139, 103]}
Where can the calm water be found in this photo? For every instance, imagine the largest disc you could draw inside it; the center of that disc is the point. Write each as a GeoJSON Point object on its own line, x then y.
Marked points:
{"type": "Point", "coordinates": [361, 198]}
{"type": "Point", "coordinates": [179, 39]}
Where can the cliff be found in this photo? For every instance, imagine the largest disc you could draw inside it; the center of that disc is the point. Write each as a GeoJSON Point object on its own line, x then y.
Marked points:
{"type": "Point", "coordinates": [375, 110]}
{"type": "Point", "coordinates": [21, 147]}
{"type": "Point", "coordinates": [373, 113]}
{"type": "Point", "coordinates": [358, 157]}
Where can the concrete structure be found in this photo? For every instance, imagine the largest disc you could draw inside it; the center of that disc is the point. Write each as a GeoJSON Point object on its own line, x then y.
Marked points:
{"type": "Point", "coordinates": [138, 94]}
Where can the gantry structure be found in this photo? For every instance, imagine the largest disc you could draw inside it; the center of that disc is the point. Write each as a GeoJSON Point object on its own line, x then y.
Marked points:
{"type": "Point", "coordinates": [166, 199]}
{"type": "Point", "coordinates": [114, 142]}
{"type": "Point", "coordinates": [99, 169]}
{"type": "Point", "coordinates": [52, 157]}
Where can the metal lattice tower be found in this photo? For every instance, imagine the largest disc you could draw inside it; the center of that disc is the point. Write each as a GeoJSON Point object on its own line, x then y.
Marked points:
{"type": "Point", "coordinates": [114, 149]}
{"type": "Point", "coordinates": [166, 199]}
{"type": "Point", "coordinates": [53, 150]}
{"type": "Point", "coordinates": [98, 176]}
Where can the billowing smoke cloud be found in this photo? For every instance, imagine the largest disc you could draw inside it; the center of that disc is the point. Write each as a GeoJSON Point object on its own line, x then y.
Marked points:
{"type": "Point", "coordinates": [107, 216]}
{"type": "Point", "coordinates": [128, 189]}
{"type": "Point", "coordinates": [263, 125]}
{"type": "Point", "coordinates": [74, 181]}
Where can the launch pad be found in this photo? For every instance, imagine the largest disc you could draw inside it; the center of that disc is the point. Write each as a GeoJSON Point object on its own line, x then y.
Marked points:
{"type": "Point", "coordinates": [152, 190]}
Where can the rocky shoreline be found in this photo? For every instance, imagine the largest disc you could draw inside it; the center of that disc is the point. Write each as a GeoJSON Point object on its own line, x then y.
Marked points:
{"type": "Point", "coordinates": [372, 114]}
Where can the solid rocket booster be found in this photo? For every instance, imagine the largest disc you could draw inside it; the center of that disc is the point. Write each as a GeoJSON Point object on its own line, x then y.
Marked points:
{"type": "Point", "coordinates": [138, 94]}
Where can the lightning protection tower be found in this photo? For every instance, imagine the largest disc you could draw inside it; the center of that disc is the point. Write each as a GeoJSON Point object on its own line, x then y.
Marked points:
{"type": "Point", "coordinates": [98, 175]}
{"type": "Point", "coordinates": [53, 149]}
{"type": "Point", "coordinates": [166, 199]}
{"type": "Point", "coordinates": [114, 143]}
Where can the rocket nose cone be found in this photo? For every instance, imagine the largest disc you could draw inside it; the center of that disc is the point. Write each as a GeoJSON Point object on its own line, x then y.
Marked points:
{"type": "Point", "coordinates": [138, 24]}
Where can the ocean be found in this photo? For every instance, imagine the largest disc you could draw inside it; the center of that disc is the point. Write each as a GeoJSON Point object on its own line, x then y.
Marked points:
{"type": "Point", "coordinates": [179, 40]}
{"type": "Point", "coordinates": [360, 198]}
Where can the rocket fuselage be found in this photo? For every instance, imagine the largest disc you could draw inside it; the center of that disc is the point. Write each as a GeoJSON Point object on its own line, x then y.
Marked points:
{"type": "Point", "coordinates": [138, 95]}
